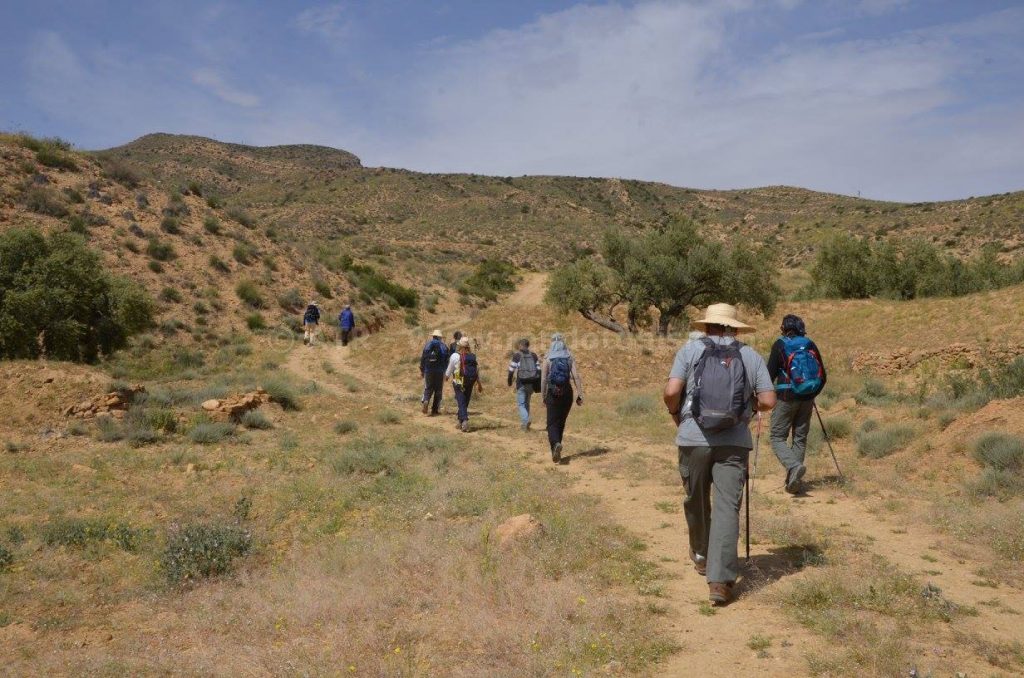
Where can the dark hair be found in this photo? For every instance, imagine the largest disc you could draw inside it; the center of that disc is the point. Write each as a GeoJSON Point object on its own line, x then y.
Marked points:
{"type": "Point", "coordinates": [457, 335]}
{"type": "Point", "coordinates": [793, 324]}
{"type": "Point", "coordinates": [524, 342]}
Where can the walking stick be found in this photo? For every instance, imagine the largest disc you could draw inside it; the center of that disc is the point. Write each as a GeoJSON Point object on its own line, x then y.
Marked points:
{"type": "Point", "coordinates": [750, 479]}
{"type": "Point", "coordinates": [842, 478]}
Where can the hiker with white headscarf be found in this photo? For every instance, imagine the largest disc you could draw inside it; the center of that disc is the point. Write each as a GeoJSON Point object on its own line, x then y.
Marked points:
{"type": "Point", "coordinates": [558, 376]}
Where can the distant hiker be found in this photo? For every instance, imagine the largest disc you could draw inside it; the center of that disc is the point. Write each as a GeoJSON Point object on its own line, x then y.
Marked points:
{"type": "Point", "coordinates": [722, 380]}
{"type": "Point", "coordinates": [558, 375]}
{"type": "Point", "coordinates": [310, 323]}
{"type": "Point", "coordinates": [347, 323]}
{"type": "Point", "coordinates": [464, 372]}
{"type": "Point", "coordinates": [799, 372]}
{"type": "Point", "coordinates": [433, 362]}
{"type": "Point", "coordinates": [453, 347]}
{"type": "Point", "coordinates": [524, 375]}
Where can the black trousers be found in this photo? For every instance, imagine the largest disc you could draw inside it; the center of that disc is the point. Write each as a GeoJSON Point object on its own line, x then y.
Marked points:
{"type": "Point", "coordinates": [433, 386]}
{"type": "Point", "coordinates": [558, 412]}
{"type": "Point", "coordinates": [345, 335]}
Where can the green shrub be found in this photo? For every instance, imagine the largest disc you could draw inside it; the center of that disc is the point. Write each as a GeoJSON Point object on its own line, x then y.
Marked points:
{"type": "Point", "coordinates": [51, 156]}
{"type": "Point", "coordinates": [491, 278]}
{"type": "Point", "coordinates": [140, 435]}
{"type": "Point", "coordinates": [212, 225]}
{"type": "Point", "coordinates": [282, 393]}
{"type": "Point", "coordinates": [197, 551]}
{"type": "Point", "coordinates": [45, 201]}
{"type": "Point", "coordinates": [108, 430]}
{"type": "Point", "coordinates": [121, 172]}
{"type": "Point", "coordinates": [345, 426]}
{"type": "Point", "coordinates": [243, 253]}
{"type": "Point", "coordinates": [195, 188]}
{"type": "Point", "coordinates": [210, 432]}
{"type": "Point", "coordinates": [884, 441]}
{"type": "Point", "coordinates": [170, 225]}
{"type": "Point", "coordinates": [367, 455]}
{"type": "Point", "coordinates": [249, 293]}
{"type": "Point", "coordinates": [255, 321]}
{"type": "Point", "coordinates": [254, 419]}
{"type": "Point", "coordinates": [388, 416]}
{"type": "Point", "coordinates": [242, 217]}
{"type": "Point", "coordinates": [76, 224]}
{"type": "Point", "coordinates": [290, 300]}
{"type": "Point", "coordinates": [57, 297]}
{"type": "Point", "coordinates": [218, 264]}
{"type": "Point", "coordinates": [873, 392]}
{"type": "Point", "coordinates": [79, 532]}
{"type": "Point", "coordinates": [323, 289]}
{"type": "Point", "coordinates": [636, 405]}
{"type": "Point", "coordinates": [170, 295]}
{"type": "Point", "coordinates": [838, 428]}
{"type": "Point", "coordinates": [6, 558]}
{"type": "Point", "coordinates": [159, 251]}
{"type": "Point", "coordinates": [376, 286]}
{"type": "Point", "coordinates": [1000, 451]}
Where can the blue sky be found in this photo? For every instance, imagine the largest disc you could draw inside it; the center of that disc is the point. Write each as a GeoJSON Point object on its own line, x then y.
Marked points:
{"type": "Point", "coordinates": [897, 99]}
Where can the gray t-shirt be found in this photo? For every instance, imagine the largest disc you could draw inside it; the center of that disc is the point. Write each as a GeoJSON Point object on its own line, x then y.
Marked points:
{"type": "Point", "coordinates": [690, 434]}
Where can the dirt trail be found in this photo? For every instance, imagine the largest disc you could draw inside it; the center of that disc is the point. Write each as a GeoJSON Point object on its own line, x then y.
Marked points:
{"type": "Point", "coordinates": [712, 645]}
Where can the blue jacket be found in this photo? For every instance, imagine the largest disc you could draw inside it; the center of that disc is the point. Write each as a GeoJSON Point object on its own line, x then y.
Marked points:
{"type": "Point", "coordinates": [442, 363]}
{"type": "Point", "coordinates": [312, 315]}
{"type": "Point", "coordinates": [347, 319]}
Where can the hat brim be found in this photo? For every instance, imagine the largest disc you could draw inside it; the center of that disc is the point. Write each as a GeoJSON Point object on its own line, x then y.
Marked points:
{"type": "Point", "coordinates": [702, 324]}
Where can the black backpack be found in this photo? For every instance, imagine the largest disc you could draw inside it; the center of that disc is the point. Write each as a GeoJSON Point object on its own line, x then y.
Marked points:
{"type": "Point", "coordinates": [435, 354]}
{"type": "Point", "coordinates": [720, 393]}
{"type": "Point", "coordinates": [470, 369]}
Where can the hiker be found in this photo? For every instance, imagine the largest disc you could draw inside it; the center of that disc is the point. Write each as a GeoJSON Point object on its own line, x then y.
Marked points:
{"type": "Point", "coordinates": [558, 374]}
{"type": "Point", "coordinates": [464, 372]}
{"type": "Point", "coordinates": [347, 322]}
{"type": "Point", "coordinates": [723, 380]}
{"type": "Point", "coordinates": [432, 366]}
{"type": "Point", "coordinates": [310, 323]}
{"type": "Point", "coordinates": [795, 363]}
{"type": "Point", "coordinates": [524, 375]}
{"type": "Point", "coordinates": [453, 347]}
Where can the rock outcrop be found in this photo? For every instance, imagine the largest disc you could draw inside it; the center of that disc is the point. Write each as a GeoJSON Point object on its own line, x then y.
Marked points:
{"type": "Point", "coordinates": [112, 404]}
{"type": "Point", "coordinates": [233, 407]}
{"type": "Point", "coordinates": [517, 528]}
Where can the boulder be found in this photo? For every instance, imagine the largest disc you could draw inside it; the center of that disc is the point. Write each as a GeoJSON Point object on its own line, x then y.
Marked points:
{"type": "Point", "coordinates": [114, 403]}
{"type": "Point", "coordinates": [233, 407]}
{"type": "Point", "coordinates": [517, 528]}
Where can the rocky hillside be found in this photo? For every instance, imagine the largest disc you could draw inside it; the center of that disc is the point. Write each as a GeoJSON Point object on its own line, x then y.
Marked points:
{"type": "Point", "coordinates": [429, 219]}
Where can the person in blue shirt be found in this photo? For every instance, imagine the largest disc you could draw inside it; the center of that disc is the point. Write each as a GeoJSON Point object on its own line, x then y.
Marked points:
{"type": "Point", "coordinates": [433, 363]}
{"type": "Point", "coordinates": [347, 322]}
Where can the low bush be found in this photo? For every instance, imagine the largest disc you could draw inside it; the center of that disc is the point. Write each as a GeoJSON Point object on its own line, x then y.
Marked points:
{"type": "Point", "coordinates": [170, 225]}
{"type": "Point", "coordinates": [6, 558]}
{"type": "Point", "coordinates": [121, 172]}
{"type": "Point", "coordinates": [80, 532]}
{"type": "Point", "coordinates": [837, 427]}
{"type": "Point", "coordinates": [241, 216]}
{"type": "Point", "coordinates": [1000, 451]}
{"type": "Point", "coordinates": [211, 225]}
{"type": "Point", "coordinates": [210, 432]}
{"type": "Point", "coordinates": [249, 293]}
{"type": "Point", "coordinates": [368, 456]}
{"type": "Point", "coordinates": [45, 201]}
{"type": "Point", "coordinates": [873, 392]}
{"type": "Point", "coordinates": [323, 289]}
{"type": "Point", "coordinates": [243, 253]}
{"type": "Point", "coordinates": [345, 426]}
{"type": "Point", "coordinates": [376, 286]}
{"type": "Point", "coordinates": [108, 430]}
{"type": "Point", "coordinates": [389, 417]}
{"type": "Point", "coordinates": [254, 419]}
{"type": "Point", "coordinates": [282, 393]}
{"type": "Point", "coordinates": [198, 551]}
{"type": "Point", "coordinates": [52, 156]}
{"type": "Point", "coordinates": [218, 264]}
{"type": "Point", "coordinates": [158, 250]}
{"type": "Point", "coordinates": [884, 441]}
{"type": "Point", "coordinates": [170, 295]}
{"type": "Point", "coordinates": [290, 300]}
{"type": "Point", "coordinates": [491, 278]}
{"type": "Point", "coordinates": [255, 322]}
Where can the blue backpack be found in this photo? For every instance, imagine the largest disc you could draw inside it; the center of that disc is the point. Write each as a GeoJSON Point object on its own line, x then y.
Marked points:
{"type": "Point", "coordinates": [559, 372]}
{"type": "Point", "coordinates": [470, 369]}
{"type": "Point", "coordinates": [802, 373]}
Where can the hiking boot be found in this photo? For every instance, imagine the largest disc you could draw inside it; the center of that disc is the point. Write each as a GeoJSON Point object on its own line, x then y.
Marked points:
{"type": "Point", "coordinates": [464, 426]}
{"type": "Point", "coordinates": [425, 406]}
{"type": "Point", "coordinates": [524, 427]}
{"type": "Point", "coordinates": [793, 478]}
{"type": "Point", "coordinates": [556, 453]}
{"type": "Point", "coordinates": [527, 426]}
{"type": "Point", "coordinates": [720, 592]}
{"type": "Point", "coordinates": [700, 563]}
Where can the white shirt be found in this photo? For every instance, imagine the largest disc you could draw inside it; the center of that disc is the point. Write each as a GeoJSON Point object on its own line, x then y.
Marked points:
{"type": "Point", "coordinates": [453, 364]}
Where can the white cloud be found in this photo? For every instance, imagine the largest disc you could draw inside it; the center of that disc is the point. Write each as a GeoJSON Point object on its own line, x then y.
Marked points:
{"type": "Point", "coordinates": [214, 82]}
{"type": "Point", "coordinates": [661, 91]}
{"type": "Point", "coordinates": [328, 21]}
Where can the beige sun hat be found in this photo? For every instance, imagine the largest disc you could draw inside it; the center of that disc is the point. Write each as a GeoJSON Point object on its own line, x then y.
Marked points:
{"type": "Point", "coordinates": [721, 314]}
{"type": "Point", "coordinates": [464, 341]}
{"type": "Point", "coordinates": [437, 333]}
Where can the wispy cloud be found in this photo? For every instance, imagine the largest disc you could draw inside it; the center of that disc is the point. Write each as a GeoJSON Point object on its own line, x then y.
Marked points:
{"type": "Point", "coordinates": [214, 83]}
{"type": "Point", "coordinates": [330, 21]}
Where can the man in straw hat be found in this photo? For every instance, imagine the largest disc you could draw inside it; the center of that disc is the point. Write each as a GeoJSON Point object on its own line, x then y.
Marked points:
{"type": "Point", "coordinates": [433, 362]}
{"type": "Point", "coordinates": [712, 391]}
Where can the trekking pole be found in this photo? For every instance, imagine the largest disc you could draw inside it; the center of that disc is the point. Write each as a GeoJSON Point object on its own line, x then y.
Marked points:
{"type": "Point", "coordinates": [750, 480]}
{"type": "Point", "coordinates": [824, 433]}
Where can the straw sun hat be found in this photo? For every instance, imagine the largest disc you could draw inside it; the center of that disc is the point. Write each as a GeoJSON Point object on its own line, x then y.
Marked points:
{"type": "Point", "coordinates": [437, 333]}
{"type": "Point", "coordinates": [721, 314]}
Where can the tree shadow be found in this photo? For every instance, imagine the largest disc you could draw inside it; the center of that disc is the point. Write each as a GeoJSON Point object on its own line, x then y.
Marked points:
{"type": "Point", "coordinates": [592, 452]}
{"type": "Point", "coordinates": [767, 568]}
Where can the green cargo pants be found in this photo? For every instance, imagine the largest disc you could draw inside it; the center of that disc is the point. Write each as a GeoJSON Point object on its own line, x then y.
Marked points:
{"type": "Point", "coordinates": [791, 416]}
{"type": "Point", "coordinates": [714, 524]}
